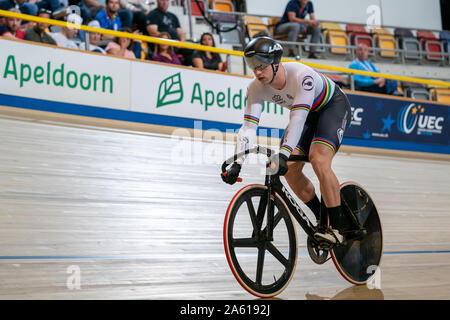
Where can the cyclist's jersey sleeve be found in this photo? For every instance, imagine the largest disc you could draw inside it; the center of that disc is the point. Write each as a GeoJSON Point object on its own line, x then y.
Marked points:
{"type": "Point", "coordinates": [247, 133]}
{"type": "Point", "coordinates": [305, 91]}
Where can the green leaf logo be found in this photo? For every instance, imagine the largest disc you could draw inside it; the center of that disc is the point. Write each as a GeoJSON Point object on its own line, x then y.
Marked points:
{"type": "Point", "coordinates": [170, 91]}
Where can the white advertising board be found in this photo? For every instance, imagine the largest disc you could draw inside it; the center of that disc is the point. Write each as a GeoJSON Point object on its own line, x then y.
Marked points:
{"type": "Point", "coordinates": [195, 94]}
{"type": "Point", "coordinates": [76, 77]}
{"type": "Point", "coordinates": [48, 73]}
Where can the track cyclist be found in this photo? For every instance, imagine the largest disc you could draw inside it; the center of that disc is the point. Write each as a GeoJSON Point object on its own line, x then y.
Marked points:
{"type": "Point", "coordinates": [319, 115]}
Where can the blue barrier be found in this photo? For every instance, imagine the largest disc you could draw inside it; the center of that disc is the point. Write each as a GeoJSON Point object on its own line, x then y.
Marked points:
{"type": "Point", "coordinates": [399, 122]}
{"type": "Point", "coordinates": [377, 122]}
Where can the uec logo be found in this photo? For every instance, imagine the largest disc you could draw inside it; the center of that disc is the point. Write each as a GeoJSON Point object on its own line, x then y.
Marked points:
{"type": "Point", "coordinates": [411, 116]}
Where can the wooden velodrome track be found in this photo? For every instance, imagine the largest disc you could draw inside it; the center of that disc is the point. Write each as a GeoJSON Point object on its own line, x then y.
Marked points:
{"type": "Point", "coordinates": [91, 209]}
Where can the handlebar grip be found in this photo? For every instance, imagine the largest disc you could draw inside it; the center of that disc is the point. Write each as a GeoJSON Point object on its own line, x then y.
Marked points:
{"type": "Point", "coordinates": [237, 180]}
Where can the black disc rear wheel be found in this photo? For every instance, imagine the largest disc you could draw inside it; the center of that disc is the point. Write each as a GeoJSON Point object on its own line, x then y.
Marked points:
{"type": "Point", "coordinates": [359, 258]}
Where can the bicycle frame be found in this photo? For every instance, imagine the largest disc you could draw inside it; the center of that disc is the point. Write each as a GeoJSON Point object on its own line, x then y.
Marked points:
{"type": "Point", "coordinates": [274, 185]}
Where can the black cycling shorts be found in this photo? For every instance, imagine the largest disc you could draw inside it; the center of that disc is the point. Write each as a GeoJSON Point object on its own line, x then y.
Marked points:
{"type": "Point", "coordinates": [326, 126]}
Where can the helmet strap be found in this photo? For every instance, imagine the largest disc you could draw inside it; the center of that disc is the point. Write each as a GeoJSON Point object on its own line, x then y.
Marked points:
{"type": "Point", "coordinates": [275, 70]}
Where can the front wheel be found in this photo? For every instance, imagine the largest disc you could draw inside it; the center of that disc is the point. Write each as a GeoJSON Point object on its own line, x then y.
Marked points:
{"type": "Point", "coordinates": [262, 267]}
{"type": "Point", "coordinates": [358, 259]}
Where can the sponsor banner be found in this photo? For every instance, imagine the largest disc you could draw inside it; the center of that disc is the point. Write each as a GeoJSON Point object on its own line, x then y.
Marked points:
{"type": "Point", "coordinates": [66, 81]}
{"type": "Point", "coordinates": [42, 72]}
{"type": "Point", "coordinates": [376, 118]}
{"type": "Point", "coordinates": [195, 94]}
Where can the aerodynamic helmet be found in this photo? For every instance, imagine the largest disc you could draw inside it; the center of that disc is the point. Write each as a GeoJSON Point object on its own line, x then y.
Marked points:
{"type": "Point", "coordinates": [262, 51]}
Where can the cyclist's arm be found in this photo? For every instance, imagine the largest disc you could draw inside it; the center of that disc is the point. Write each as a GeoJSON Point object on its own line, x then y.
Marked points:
{"type": "Point", "coordinates": [247, 133]}
{"type": "Point", "coordinates": [299, 111]}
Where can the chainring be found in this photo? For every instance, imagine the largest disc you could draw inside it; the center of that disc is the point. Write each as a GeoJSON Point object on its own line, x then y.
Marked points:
{"type": "Point", "coordinates": [317, 255]}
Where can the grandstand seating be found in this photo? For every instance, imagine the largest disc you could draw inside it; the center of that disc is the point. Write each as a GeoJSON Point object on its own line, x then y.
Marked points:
{"type": "Point", "coordinates": [409, 43]}
{"type": "Point", "coordinates": [358, 34]}
{"type": "Point", "coordinates": [336, 36]}
{"type": "Point", "coordinates": [418, 93]}
{"type": "Point", "coordinates": [221, 5]}
{"type": "Point", "coordinates": [340, 36]}
{"type": "Point", "coordinates": [430, 43]}
{"type": "Point", "coordinates": [385, 40]}
{"type": "Point", "coordinates": [441, 95]}
{"type": "Point", "coordinates": [255, 25]}
{"type": "Point", "coordinates": [197, 7]}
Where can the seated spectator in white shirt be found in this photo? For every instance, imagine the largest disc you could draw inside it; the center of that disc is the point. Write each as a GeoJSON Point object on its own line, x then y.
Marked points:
{"type": "Point", "coordinates": [94, 39]}
{"type": "Point", "coordinates": [64, 38]}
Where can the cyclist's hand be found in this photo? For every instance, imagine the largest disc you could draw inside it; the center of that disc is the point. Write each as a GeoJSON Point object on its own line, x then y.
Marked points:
{"type": "Point", "coordinates": [232, 174]}
{"type": "Point", "coordinates": [278, 164]}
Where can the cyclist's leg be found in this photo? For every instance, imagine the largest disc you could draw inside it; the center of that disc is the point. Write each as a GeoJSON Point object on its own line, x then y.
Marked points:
{"type": "Point", "coordinates": [321, 158]}
{"type": "Point", "coordinates": [333, 121]}
{"type": "Point", "coordinates": [299, 183]}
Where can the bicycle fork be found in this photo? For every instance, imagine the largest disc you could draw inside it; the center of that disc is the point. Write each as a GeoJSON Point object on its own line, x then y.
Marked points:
{"type": "Point", "coordinates": [266, 207]}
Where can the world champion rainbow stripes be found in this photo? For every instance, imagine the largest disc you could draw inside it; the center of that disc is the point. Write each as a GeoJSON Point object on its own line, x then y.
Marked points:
{"type": "Point", "coordinates": [286, 148]}
{"type": "Point", "coordinates": [301, 107]}
{"type": "Point", "coordinates": [326, 143]}
{"type": "Point", "coordinates": [300, 149]}
{"type": "Point", "coordinates": [324, 96]}
{"type": "Point", "coordinates": [250, 118]}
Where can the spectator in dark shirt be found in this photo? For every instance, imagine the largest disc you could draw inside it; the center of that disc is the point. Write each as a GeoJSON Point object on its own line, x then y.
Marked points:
{"type": "Point", "coordinates": [37, 33]}
{"type": "Point", "coordinates": [293, 23]}
{"type": "Point", "coordinates": [52, 5]}
{"type": "Point", "coordinates": [165, 53]}
{"type": "Point", "coordinates": [205, 59]}
{"type": "Point", "coordinates": [12, 27]}
{"type": "Point", "coordinates": [161, 20]}
{"type": "Point", "coordinates": [23, 5]}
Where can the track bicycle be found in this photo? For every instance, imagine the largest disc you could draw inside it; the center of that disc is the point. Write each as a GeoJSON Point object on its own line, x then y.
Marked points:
{"type": "Point", "coordinates": [260, 238]}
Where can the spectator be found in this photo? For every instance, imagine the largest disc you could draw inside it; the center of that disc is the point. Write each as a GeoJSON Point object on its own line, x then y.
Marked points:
{"type": "Point", "coordinates": [205, 59]}
{"type": "Point", "coordinates": [52, 5]}
{"type": "Point", "coordinates": [366, 83]}
{"type": "Point", "coordinates": [91, 8]}
{"type": "Point", "coordinates": [293, 23]}
{"type": "Point", "coordinates": [64, 38]}
{"type": "Point", "coordinates": [141, 5]}
{"type": "Point", "coordinates": [161, 20]}
{"type": "Point", "coordinates": [165, 53]}
{"type": "Point", "coordinates": [94, 39]}
{"type": "Point", "coordinates": [136, 12]}
{"type": "Point", "coordinates": [108, 17]}
{"type": "Point", "coordinates": [121, 46]}
{"type": "Point", "coordinates": [12, 27]}
{"type": "Point", "coordinates": [37, 33]}
{"type": "Point", "coordinates": [24, 6]}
